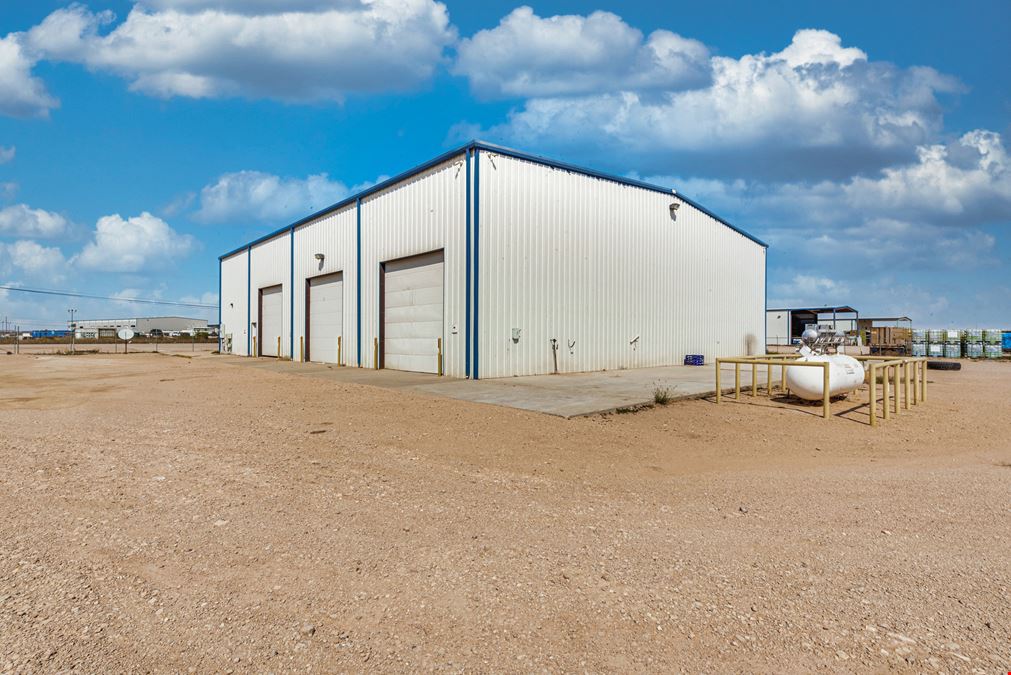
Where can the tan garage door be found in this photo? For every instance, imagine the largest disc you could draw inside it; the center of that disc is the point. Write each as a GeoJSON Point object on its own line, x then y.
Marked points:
{"type": "Point", "coordinates": [326, 317]}
{"type": "Point", "coordinates": [271, 320]}
{"type": "Point", "coordinates": [412, 312]}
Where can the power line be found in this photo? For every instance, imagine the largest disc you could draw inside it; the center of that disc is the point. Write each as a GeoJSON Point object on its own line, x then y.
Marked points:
{"type": "Point", "coordinates": [70, 294]}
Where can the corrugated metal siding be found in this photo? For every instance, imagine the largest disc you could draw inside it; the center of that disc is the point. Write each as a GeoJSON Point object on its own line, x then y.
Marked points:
{"type": "Point", "coordinates": [233, 301]}
{"type": "Point", "coordinates": [424, 213]}
{"type": "Point", "coordinates": [333, 235]}
{"type": "Point", "coordinates": [777, 327]}
{"type": "Point", "coordinates": [595, 264]}
{"type": "Point", "coordinates": [270, 267]}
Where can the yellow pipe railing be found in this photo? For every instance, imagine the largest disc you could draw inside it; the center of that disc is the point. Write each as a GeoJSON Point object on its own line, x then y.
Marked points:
{"type": "Point", "coordinates": [903, 379]}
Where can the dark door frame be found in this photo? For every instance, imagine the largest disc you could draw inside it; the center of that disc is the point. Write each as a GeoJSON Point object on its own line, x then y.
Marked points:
{"type": "Point", "coordinates": [259, 316]}
{"type": "Point", "coordinates": [382, 296]}
{"type": "Point", "coordinates": [308, 299]}
{"type": "Point", "coordinates": [259, 322]}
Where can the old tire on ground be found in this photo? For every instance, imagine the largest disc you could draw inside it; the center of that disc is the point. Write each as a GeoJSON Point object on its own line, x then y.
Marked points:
{"type": "Point", "coordinates": [943, 365]}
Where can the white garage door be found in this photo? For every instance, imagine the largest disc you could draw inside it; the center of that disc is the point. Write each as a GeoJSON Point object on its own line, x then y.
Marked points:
{"type": "Point", "coordinates": [413, 313]}
{"type": "Point", "coordinates": [326, 317]}
{"type": "Point", "coordinates": [270, 320]}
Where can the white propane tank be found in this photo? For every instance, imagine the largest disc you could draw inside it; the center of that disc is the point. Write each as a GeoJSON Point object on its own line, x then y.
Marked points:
{"type": "Point", "coordinates": [845, 374]}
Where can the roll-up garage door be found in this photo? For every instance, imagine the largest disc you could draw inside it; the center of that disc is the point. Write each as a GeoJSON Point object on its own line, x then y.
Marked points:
{"type": "Point", "coordinates": [270, 320]}
{"type": "Point", "coordinates": [326, 317]}
{"type": "Point", "coordinates": [412, 312]}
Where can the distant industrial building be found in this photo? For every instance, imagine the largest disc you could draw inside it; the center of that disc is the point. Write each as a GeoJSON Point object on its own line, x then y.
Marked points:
{"type": "Point", "coordinates": [784, 326]}
{"type": "Point", "coordinates": [144, 325]}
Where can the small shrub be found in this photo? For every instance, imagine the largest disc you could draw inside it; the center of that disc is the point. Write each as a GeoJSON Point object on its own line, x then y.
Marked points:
{"type": "Point", "coordinates": [662, 395]}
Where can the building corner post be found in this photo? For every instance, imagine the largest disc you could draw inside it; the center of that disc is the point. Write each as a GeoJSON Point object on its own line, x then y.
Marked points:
{"type": "Point", "coordinates": [475, 370]}
{"type": "Point", "coordinates": [358, 278]}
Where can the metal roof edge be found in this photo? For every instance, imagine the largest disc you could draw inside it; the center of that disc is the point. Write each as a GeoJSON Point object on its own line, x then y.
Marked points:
{"type": "Point", "coordinates": [490, 147]}
{"type": "Point", "coordinates": [351, 199]}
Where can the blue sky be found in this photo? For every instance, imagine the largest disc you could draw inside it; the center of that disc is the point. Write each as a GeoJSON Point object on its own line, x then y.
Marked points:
{"type": "Point", "coordinates": [866, 142]}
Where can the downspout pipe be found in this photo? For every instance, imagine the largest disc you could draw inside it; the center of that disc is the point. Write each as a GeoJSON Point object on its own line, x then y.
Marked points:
{"type": "Point", "coordinates": [249, 302]}
{"type": "Point", "coordinates": [358, 276]}
{"type": "Point", "coordinates": [291, 307]}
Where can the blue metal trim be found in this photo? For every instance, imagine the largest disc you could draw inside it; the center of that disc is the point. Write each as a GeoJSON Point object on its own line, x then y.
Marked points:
{"type": "Point", "coordinates": [358, 273]}
{"type": "Point", "coordinates": [477, 260]}
{"type": "Point", "coordinates": [466, 328]}
{"type": "Point", "coordinates": [291, 307]}
{"type": "Point", "coordinates": [765, 317]}
{"type": "Point", "coordinates": [249, 308]}
{"type": "Point", "coordinates": [360, 195]}
{"type": "Point", "coordinates": [475, 145]}
{"type": "Point", "coordinates": [220, 263]}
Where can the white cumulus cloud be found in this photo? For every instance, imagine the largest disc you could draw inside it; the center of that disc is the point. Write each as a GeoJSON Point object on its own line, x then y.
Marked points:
{"type": "Point", "coordinates": [133, 244]}
{"type": "Point", "coordinates": [21, 220]}
{"type": "Point", "coordinates": [32, 260]}
{"type": "Point", "coordinates": [7, 154]}
{"type": "Point", "coordinates": [530, 56]}
{"type": "Point", "coordinates": [255, 195]}
{"type": "Point", "coordinates": [307, 51]}
{"type": "Point", "coordinates": [815, 107]}
{"type": "Point", "coordinates": [21, 93]}
{"type": "Point", "coordinates": [966, 182]}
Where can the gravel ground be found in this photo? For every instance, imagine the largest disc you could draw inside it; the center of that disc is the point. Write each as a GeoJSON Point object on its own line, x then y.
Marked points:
{"type": "Point", "coordinates": [171, 514]}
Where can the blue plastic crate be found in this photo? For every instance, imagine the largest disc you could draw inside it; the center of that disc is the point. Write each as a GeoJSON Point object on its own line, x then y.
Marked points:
{"type": "Point", "coordinates": [695, 360]}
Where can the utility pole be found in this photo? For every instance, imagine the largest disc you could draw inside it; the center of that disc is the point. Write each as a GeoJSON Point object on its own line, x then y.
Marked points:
{"type": "Point", "coordinates": [73, 329]}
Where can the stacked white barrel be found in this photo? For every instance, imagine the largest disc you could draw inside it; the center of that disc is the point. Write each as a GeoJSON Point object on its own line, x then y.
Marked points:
{"type": "Point", "coordinates": [935, 342]}
{"type": "Point", "coordinates": [919, 342]}
{"type": "Point", "coordinates": [992, 343]}
{"type": "Point", "coordinates": [974, 343]}
{"type": "Point", "coordinates": [952, 343]}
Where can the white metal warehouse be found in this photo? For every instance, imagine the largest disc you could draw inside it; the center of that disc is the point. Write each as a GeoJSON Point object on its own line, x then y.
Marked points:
{"type": "Point", "coordinates": [510, 264]}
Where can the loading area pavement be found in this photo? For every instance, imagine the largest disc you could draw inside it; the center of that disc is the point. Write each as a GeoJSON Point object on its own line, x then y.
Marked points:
{"type": "Point", "coordinates": [564, 395]}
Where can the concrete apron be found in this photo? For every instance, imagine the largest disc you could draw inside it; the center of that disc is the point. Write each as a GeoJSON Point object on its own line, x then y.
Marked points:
{"type": "Point", "coordinates": [567, 395]}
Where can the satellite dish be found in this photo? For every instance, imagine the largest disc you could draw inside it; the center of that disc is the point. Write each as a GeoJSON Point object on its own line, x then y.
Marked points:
{"type": "Point", "coordinates": [125, 334]}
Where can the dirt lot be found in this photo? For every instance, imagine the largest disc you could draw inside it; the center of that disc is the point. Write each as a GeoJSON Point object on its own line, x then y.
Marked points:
{"type": "Point", "coordinates": [162, 513]}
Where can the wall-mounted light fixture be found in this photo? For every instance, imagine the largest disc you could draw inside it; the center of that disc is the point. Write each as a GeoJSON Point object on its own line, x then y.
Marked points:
{"type": "Point", "coordinates": [319, 257]}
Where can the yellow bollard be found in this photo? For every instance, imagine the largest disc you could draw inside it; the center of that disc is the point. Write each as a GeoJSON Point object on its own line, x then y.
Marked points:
{"type": "Point", "coordinates": [768, 377]}
{"type": "Point", "coordinates": [873, 396]}
{"type": "Point", "coordinates": [884, 394]}
{"type": "Point", "coordinates": [905, 384]}
{"type": "Point", "coordinates": [754, 379]}
{"type": "Point", "coordinates": [340, 362]}
{"type": "Point", "coordinates": [915, 367]}
{"type": "Point", "coordinates": [375, 353]}
{"type": "Point", "coordinates": [895, 383]}
{"type": "Point", "coordinates": [439, 347]}
{"type": "Point", "coordinates": [825, 390]}
{"type": "Point", "coordinates": [255, 353]}
{"type": "Point", "coordinates": [923, 380]}
{"type": "Point", "coordinates": [301, 349]}
{"type": "Point", "coordinates": [278, 347]}
{"type": "Point", "coordinates": [718, 392]}
{"type": "Point", "coordinates": [737, 381]}
{"type": "Point", "coordinates": [782, 377]}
